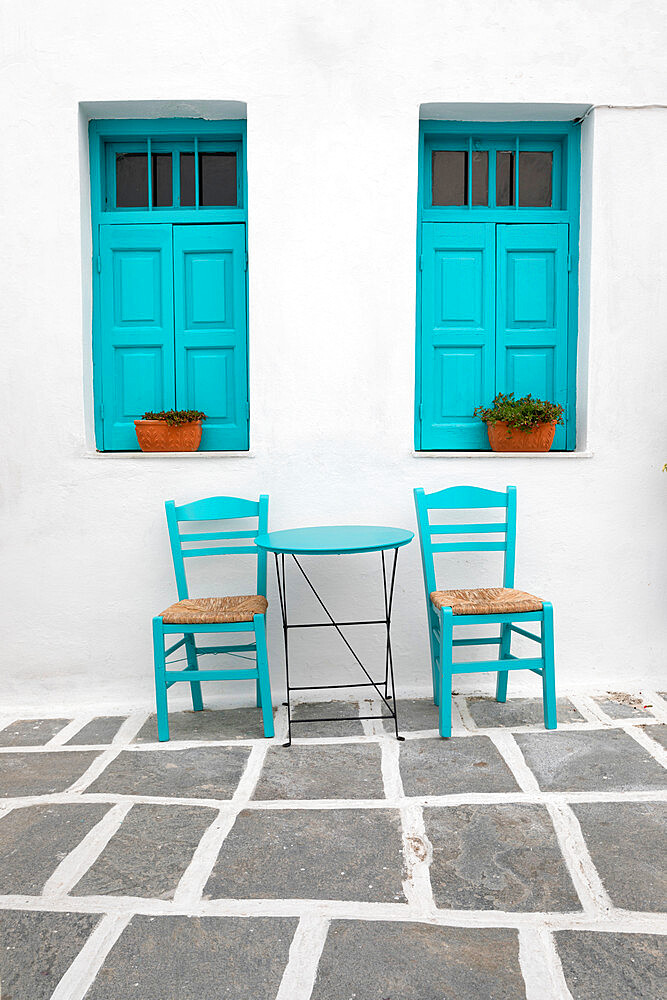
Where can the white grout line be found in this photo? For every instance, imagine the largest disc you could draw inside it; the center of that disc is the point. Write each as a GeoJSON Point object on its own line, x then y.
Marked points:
{"type": "Point", "coordinates": [280, 724]}
{"type": "Point", "coordinates": [417, 854]}
{"type": "Point", "coordinates": [74, 866]}
{"type": "Point", "coordinates": [617, 921]}
{"type": "Point", "coordinates": [129, 729]}
{"type": "Point", "coordinates": [540, 965]}
{"type": "Point", "coordinates": [304, 956]}
{"type": "Point", "coordinates": [95, 769]}
{"type": "Point", "coordinates": [374, 706]}
{"type": "Point", "coordinates": [468, 723]}
{"type": "Point", "coordinates": [509, 750]}
{"type": "Point", "coordinates": [193, 881]}
{"type": "Point", "coordinates": [590, 710]}
{"type": "Point", "coordinates": [71, 729]}
{"type": "Point", "coordinates": [81, 974]}
{"type": "Point", "coordinates": [656, 750]}
{"type": "Point", "coordinates": [459, 724]}
{"type": "Point", "coordinates": [658, 705]}
{"type": "Point", "coordinates": [587, 882]}
{"type": "Point", "coordinates": [391, 773]}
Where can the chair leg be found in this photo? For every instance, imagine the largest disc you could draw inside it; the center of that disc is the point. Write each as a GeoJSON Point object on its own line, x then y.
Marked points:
{"type": "Point", "coordinates": [160, 681]}
{"type": "Point", "coordinates": [258, 694]}
{"type": "Point", "coordinates": [263, 681]}
{"type": "Point", "coordinates": [549, 675]}
{"type": "Point", "coordinates": [446, 651]}
{"type": "Point", "coordinates": [505, 642]}
{"type": "Point", "coordinates": [195, 687]}
{"type": "Point", "coordinates": [434, 659]}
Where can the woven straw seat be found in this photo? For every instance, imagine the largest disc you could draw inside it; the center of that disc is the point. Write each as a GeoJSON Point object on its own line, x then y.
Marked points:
{"type": "Point", "coordinates": [490, 601]}
{"type": "Point", "coordinates": [215, 610]}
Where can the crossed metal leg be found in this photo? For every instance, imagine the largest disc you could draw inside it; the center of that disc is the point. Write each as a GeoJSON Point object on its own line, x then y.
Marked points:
{"type": "Point", "coordinates": [389, 700]}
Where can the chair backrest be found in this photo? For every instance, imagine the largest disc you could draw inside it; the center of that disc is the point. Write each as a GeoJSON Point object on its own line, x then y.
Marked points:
{"type": "Point", "coordinates": [466, 498]}
{"type": "Point", "coordinates": [216, 509]}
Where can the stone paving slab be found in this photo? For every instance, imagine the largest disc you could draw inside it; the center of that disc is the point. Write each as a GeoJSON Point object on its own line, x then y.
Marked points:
{"type": "Point", "coordinates": [311, 854]}
{"type": "Point", "coordinates": [346, 771]}
{"type": "Point", "coordinates": [488, 712]}
{"type": "Point", "coordinates": [371, 960]}
{"type": "Point", "coordinates": [42, 773]}
{"type": "Point", "coordinates": [618, 705]}
{"type": "Point", "coordinates": [604, 760]}
{"type": "Point", "coordinates": [657, 733]}
{"type": "Point", "coordinates": [181, 958]}
{"type": "Point", "coordinates": [463, 764]}
{"type": "Point", "coordinates": [197, 773]}
{"type": "Point", "coordinates": [627, 842]}
{"type": "Point", "coordinates": [31, 732]}
{"type": "Point", "coordinates": [36, 949]}
{"type": "Point", "coordinates": [34, 840]}
{"type": "Point", "coordinates": [97, 731]}
{"type": "Point", "coordinates": [497, 857]}
{"type": "Point", "coordinates": [149, 853]}
{"type": "Point", "coordinates": [416, 715]}
{"type": "Point", "coordinates": [609, 966]}
{"type": "Point", "coordinates": [328, 709]}
{"type": "Point", "coordinates": [210, 724]}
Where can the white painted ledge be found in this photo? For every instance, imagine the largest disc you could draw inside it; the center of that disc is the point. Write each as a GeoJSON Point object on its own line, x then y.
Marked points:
{"type": "Point", "coordinates": [148, 455]}
{"type": "Point", "coordinates": [503, 454]}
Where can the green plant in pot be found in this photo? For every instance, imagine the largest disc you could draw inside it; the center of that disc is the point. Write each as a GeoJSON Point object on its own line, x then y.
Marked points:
{"type": "Point", "coordinates": [170, 430]}
{"type": "Point", "coordinates": [524, 424]}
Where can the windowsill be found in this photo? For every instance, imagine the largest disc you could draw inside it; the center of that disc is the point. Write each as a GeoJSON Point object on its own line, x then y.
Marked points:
{"type": "Point", "coordinates": [503, 454]}
{"type": "Point", "coordinates": [133, 455]}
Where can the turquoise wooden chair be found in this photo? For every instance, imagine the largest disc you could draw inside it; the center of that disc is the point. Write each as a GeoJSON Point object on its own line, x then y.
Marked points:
{"type": "Point", "coordinates": [190, 616]}
{"type": "Point", "coordinates": [495, 606]}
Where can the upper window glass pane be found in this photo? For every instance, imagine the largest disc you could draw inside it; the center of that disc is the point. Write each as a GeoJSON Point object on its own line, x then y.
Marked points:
{"type": "Point", "coordinates": [187, 172]}
{"type": "Point", "coordinates": [504, 178]}
{"type": "Point", "coordinates": [161, 181]}
{"type": "Point", "coordinates": [131, 180]}
{"type": "Point", "coordinates": [450, 177]}
{"type": "Point", "coordinates": [217, 178]}
{"type": "Point", "coordinates": [480, 177]}
{"type": "Point", "coordinates": [535, 170]}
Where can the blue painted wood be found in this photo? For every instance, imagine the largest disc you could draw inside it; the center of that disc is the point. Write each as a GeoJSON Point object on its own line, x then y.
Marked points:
{"type": "Point", "coordinates": [468, 546]}
{"type": "Point", "coordinates": [210, 329]}
{"type": "Point", "coordinates": [136, 329]}
{"type": "Point", "coordinates": [204, 512]}
{"type": "Point", "coordinates": [532, 314]}
{"type": "Point", "coordinates": [458, 327]}
{"type": "Point", "coordinates": [334, 539]}
{"type": "Point", "coordinates": [468, 529]}
{"type": "Point", "coordinates": [442, 623]}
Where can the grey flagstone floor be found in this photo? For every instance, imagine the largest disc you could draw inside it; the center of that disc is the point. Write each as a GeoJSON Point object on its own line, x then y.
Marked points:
{"type": "Point", "coordinates": [505, 862]}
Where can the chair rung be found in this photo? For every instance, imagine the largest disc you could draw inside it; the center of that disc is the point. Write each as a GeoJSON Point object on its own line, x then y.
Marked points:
{"type": "Point", "coordinates": [480, 641]}
{"type": "Point", "coordinates": [235, 550]}
{"type": "Point", "coordinates": [467, 529]}
{"type": "Point", "coordinates": [172, 649]}
{"type": "Point", "coordinates": [469, 546]}
{"type": "Point", "coordinates": [247, 647]}
{"type": "Point", "coordinates": [484, 666]}
{"type": "Point", "coordinates": [193, 676]}
{"type": "Point", "coordinates": [528, 635]}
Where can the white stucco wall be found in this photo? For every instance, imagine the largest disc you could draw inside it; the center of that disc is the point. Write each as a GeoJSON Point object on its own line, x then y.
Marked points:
{"type": "Point", "coordinates": [333, 92]}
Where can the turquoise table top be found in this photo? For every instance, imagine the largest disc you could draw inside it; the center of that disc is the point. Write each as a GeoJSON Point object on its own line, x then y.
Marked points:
{"type": "Point", "coordinates": [334, 539]}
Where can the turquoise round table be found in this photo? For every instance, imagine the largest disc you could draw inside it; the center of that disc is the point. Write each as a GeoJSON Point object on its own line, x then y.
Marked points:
{"type": "Point", "coordinates": [339, 540]}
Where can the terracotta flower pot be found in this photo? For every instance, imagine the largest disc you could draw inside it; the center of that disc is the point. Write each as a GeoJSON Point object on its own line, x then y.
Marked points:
{"type": "Point", "coordinates": [538, 438]}
{"type": "Point", "coordinates": [157, 435]}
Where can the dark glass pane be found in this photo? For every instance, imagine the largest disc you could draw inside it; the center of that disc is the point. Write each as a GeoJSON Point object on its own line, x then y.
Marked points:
{"type": "Point", "coordinates": [161, 180]}
{"type": "Point", "coordinates": [217, 178]}
{"type": "Point", "coordinates": [131, 180]}
{"type": "Point", "coordinates": [450, 177]}
{"type": "Point", "coordinates": [504, 179]}
{"type": "Point", "coordinates": [480, 178]}
{"type": "Point", "coordinates": [187, 170]}
{"type": "Point", "coordinates": [535, 179]}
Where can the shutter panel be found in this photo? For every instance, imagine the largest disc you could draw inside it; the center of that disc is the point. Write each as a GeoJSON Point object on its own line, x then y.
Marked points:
{"type": "Point", "coordinates": [458, 322]}
{"type": "Point", "coordinates": [136, 328]}
{"type": "Point", "coordinates": [532, 305]}
{"type": "Point", "coordinates": [211, 331]}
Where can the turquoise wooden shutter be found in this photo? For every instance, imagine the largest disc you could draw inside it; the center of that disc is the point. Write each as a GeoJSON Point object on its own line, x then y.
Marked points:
{"type": "Point", "coordinates": [532, 308]}
{"type": "Point", "coordinates": [458, 324]}
{"type": "Point", "coordinates": [211, 331]}
{"type": "Point", "coordinates": [136, 324]}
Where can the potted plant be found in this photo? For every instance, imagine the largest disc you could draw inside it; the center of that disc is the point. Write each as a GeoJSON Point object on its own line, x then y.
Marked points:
{"type": "Point", "coordinates": [524, 424]}
{"type": "Point", "coordinates": [170, 430]}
